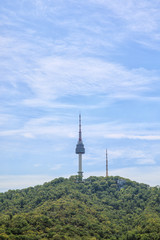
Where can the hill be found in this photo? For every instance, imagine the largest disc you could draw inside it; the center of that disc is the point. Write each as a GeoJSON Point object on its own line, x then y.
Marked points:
{"type": "Point", "coordinates": [100, 208]}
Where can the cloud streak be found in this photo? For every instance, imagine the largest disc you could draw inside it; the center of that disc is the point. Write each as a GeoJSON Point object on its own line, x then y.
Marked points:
{"type": "Point", "coordinates": [58, 77]}
{"type": "Point", "coordinates": [111, 130]}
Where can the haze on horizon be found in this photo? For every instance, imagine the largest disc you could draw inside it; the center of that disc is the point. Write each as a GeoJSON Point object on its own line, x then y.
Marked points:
{"type": "Point", "coordinates": [60, 58]}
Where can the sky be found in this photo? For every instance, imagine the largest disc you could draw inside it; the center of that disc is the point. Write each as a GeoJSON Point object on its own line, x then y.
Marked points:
{"type": "Point", "coordinates": [99, 58]}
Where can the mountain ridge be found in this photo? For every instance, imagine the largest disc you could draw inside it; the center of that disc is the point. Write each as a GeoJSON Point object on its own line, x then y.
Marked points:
{"type": "Point", "coordinates": [99, 208]}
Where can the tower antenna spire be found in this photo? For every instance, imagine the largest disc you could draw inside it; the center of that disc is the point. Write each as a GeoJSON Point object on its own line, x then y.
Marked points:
{"type": "Point", "coordinates": [80, 131]}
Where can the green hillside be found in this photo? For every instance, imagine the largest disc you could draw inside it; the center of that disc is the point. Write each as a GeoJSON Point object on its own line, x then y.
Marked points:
{"type": "Point", "coordinates": [99, 208]}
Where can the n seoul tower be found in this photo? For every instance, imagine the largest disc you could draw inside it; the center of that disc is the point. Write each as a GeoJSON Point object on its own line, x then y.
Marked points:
{"type": "Point", "coordinates": [80, 150]}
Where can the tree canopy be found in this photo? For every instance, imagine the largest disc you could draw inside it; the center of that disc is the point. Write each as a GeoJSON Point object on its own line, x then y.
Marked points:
{"type": "Point", "coordinates": [98, 208]}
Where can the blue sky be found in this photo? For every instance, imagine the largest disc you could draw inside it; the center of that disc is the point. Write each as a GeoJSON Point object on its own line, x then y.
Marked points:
{"type": "Point", "coordinates": [60, 58]}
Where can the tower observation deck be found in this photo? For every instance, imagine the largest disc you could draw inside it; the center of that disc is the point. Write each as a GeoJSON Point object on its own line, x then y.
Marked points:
{"type": "Point", "coordinates": [80, 150]}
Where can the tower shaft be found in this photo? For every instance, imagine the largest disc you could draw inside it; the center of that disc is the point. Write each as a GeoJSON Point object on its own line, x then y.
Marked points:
{"type": "Point", "coordinates": [80, 173]}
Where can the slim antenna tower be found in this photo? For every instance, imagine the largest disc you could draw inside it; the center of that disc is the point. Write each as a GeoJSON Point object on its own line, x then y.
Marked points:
{"type": "Point", "coordinates": [106, 163]}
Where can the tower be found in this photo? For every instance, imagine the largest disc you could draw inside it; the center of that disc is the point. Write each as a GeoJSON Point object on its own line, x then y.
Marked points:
{"type": "Point", "coordinates": [106, 163]}
{"type": "Point", "coordinates": [80, 150]}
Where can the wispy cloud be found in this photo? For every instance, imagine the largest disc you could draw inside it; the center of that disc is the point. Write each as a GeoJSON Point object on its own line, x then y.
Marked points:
{"type": "Point", "coordinates": [138, 137]}
{"type": "Point", "coordinates": [86, 77]}
{"type": "Point", "coordinates": [47, 79]}
{"type": "Point", "coordinates": [121, 156]}
{"type": "Point", "coordinates": [138, 20]}
{"type": "Point", "coordinates": [48, 70]}
{"type": "Point", "coordinates": [139, 16]}
{"type": "Point", "coordinates": [117, 130]}
{"type": "Point", "coordinates": [138, 155]}
{"type": "Point", "coordinates": [111, 130]}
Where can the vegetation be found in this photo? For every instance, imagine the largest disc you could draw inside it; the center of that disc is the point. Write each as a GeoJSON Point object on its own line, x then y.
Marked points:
{"type": "Point", "coordinates": [100, 208]}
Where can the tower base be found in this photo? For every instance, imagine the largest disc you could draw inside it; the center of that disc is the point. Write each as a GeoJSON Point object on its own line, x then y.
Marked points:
{"type": "Point", "coordinates": [80, 177]}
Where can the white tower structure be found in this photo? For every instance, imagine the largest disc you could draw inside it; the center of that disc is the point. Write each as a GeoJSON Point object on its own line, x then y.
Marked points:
{"type": "Point", "coordinates": [80, 150]}
{"type": "Point", "coordinates": [106, 163]}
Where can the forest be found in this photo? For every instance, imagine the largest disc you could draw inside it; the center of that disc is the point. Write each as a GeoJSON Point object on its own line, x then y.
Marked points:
{"type": "Point", "coordinates": [99, 208]}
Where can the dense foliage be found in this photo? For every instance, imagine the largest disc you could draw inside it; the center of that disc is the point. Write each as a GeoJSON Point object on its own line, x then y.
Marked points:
{"type": "Point", "coordinates": [99, 208]}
